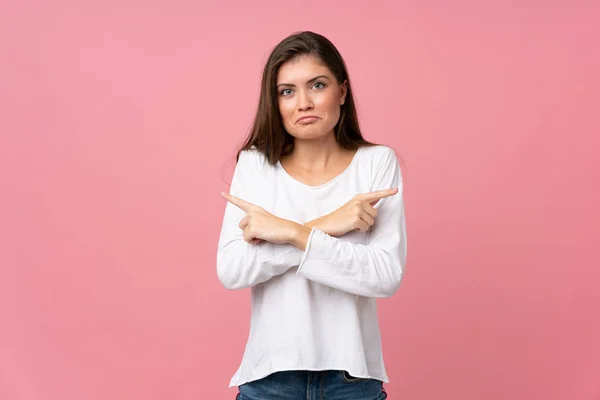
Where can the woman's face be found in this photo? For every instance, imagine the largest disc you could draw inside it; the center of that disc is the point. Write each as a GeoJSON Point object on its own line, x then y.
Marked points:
{"type": "Point", "coordinates": [309, 98]}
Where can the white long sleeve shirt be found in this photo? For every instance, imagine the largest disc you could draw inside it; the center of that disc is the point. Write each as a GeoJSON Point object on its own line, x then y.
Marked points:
{"type": "Point", "coordinates": [315, 309]}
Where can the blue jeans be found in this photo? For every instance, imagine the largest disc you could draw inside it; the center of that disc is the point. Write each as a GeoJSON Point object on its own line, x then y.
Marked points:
{"type": "Point", "coordinates": [312, 385]}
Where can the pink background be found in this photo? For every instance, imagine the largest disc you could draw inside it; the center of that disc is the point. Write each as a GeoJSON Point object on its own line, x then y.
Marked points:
{"type": "Point", "coordinates": [119, 121]}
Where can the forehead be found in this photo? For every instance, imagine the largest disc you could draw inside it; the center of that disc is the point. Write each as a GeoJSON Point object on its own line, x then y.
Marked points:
{"type": "Point", "coordinates": [301, 69]}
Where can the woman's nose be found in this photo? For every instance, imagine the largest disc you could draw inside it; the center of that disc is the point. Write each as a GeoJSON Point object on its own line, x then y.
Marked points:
{"type": "Point", "coordinates": [304, 101]}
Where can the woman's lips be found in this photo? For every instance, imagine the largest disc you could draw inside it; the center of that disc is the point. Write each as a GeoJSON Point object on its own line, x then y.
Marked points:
{"type": "Point", "coordinates": [307, 120]}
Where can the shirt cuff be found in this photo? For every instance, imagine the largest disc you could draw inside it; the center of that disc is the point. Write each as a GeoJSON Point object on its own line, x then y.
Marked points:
{"type": "Point", "coordinates": [316, 249]}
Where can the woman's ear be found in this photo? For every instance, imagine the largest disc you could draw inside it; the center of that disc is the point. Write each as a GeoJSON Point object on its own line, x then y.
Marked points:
{"type": "Point", "coordinates": [344, 92]}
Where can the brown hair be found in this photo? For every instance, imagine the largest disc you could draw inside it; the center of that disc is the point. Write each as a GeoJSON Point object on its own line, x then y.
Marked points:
{"type": "Point", "coordinates": [268, 134]}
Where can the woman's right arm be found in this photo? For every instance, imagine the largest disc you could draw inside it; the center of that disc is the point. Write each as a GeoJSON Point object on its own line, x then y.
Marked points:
{"type": "Point", "coordinates": [239, 263]}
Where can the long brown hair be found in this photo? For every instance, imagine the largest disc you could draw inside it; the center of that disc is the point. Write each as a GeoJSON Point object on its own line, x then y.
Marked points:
{"type": "Point", "coordinates": [268, 134]}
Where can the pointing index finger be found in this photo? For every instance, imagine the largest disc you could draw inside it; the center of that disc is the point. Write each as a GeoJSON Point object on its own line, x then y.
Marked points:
{"type": "Point", "coordinates": [374, 197]}
{"type": "Point", "coordinates": [236, 201]}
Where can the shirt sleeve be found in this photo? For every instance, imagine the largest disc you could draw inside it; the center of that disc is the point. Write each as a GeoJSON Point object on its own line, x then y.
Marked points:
{"type": "Point", "coordinates": [373, 269]}
{"type": "Point", "coordinates": [239, 263]}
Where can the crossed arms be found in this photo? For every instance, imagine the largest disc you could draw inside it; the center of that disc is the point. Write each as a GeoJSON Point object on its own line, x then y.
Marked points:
{"type": "Point", "coordinates": [254, 245]}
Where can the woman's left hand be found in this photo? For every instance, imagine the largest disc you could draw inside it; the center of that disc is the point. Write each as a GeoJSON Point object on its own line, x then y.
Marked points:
{"type": "Point", "coordinates": [259, 224]}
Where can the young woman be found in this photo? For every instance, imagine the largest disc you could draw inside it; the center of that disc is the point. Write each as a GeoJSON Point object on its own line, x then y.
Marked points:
{"type": "Point", "coordinates": [314, 225]}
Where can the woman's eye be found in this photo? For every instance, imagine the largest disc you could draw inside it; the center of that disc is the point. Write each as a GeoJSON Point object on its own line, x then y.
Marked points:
{"type": "Point", "coordinates": [286, 92]}
{"type": "Point", "coordinates": [321, 85]}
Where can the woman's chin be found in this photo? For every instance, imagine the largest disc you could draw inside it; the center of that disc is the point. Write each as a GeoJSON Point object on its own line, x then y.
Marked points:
{"type": "Point", "coordinates": [311, 134]}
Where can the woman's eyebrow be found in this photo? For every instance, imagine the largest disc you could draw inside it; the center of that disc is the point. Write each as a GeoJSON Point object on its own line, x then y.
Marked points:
{"type": "Point", "coordinates": [309, 81]}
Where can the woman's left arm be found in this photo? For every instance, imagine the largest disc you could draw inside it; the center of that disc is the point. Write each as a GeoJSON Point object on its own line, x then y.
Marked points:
{"type": "Point", "coordinates": [373, 269]}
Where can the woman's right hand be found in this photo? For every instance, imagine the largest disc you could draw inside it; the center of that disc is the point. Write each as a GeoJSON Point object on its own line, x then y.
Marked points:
{"type": "Point", "coordinates": [357, 214]}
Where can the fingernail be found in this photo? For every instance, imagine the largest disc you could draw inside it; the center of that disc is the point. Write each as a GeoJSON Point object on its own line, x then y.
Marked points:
{"type": "Point", "coordinates": [222, 194]}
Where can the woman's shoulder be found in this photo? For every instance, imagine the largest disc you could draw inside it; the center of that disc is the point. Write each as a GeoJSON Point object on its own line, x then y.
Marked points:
{"type": "Point", "coordinates": [378, 154]}
{"type": "Point", "coordinates": [253, 161]}
{"type": "Point", "coordinates": [251, 155]}
{"type": "Point", "coordinates": [377, 150]}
